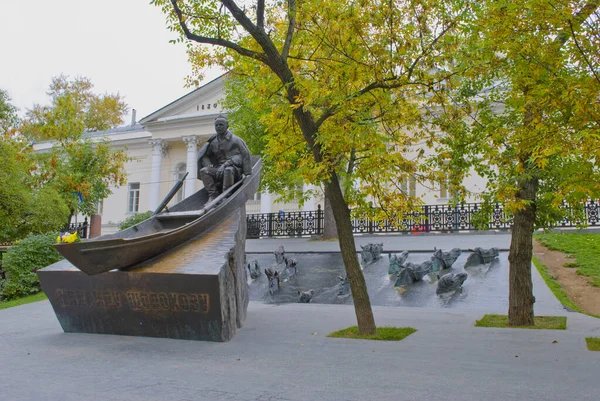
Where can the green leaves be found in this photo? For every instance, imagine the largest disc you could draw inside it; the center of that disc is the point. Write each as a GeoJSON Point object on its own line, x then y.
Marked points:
{"type": "Point", "coordinates": [74, 109]}
{"type": "Point", "coordinates": [8, 114]}
{"type": "Point", "coordinates": [519, 105]}
{"type": "Point", "coordinates": [23, 260]}
{"type": "Point", "coordinates": [24, 209]}
{"type": "Point", "coordinates": [366, 77]}
{"type": "Point", "coordinates": [45, 185]}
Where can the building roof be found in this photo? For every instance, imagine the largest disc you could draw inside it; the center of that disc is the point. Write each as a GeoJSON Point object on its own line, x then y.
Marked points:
{"type": "Point", "coordinates": [166, 110]}
{"type": "Point", "coordinates": [118, 130]}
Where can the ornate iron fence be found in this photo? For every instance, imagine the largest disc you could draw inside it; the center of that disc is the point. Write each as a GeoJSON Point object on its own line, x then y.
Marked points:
{"type": "Point", "coordinates": [285, 224]}
{"type": "Point", "coordinates": [429, 218]}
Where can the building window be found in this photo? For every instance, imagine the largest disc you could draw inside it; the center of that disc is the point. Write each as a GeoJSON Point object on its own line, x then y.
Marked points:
{"type": "Point", "coordinates": [133, 200]}
{"type": "Point", "coordinates": [445, 191]}
{"type": "Point", "coordinates": [409, 186]}
{"type": "Point", "coordinates": [179, 173]}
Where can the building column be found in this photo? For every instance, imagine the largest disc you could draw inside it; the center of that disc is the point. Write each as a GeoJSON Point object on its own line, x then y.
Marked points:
{"type": "Point", "coordinates": [191, 164]}
{"type": "Point", "coordinates": [309, 205]}
{"type": "Point", "coordinates": [266, 202]}
{"type": "Point", "coordinates": [159, 150]}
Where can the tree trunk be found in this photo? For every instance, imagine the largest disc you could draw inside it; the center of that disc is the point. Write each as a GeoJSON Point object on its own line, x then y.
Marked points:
{"type": "Point", "coordinates": [521, 299]}
{"type": "Point", "coordinates": [70, 219]}
{"type": "Point", "coordinates": [329, 227]}
{"type": "Point", "coordinates": [333, 191]}
{"type": "Point", "coordinates": [362, 302]}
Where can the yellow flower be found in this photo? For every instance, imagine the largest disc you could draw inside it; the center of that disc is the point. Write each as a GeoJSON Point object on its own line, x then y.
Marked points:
{"type": "Point", "coordinates": [58, 239]}
{"type": "Point", "coordinates": [68, 238]}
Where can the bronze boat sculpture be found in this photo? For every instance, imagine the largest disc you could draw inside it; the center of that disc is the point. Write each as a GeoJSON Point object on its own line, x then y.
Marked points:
{"type": "Point", "coordinates": [162, 232]}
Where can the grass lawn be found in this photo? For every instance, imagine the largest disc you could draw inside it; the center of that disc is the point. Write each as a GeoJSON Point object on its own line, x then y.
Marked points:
{"type": "Point", "coordinates": [554, 286]}
{"type": "Point", "coordinates": [584, 247]}
{"type": "Point", "coordinates": [40, 296]}
{"type": "Point", "coordinates": [541, 322]}
{"type": "Point", "coordinates": [593, 343]}
{"type": "Point", "coordinates": [386, 333]}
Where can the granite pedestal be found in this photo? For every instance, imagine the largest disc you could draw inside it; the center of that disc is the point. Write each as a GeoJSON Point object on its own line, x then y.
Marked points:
{"type": "Point", "coordinates": [197, 291]}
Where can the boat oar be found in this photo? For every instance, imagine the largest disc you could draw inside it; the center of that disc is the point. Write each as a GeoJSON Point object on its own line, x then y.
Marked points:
{"type": "Point", "coordinates": [170, 195]}
{"type": "Point", "coordinates": [207, 207]}
{"type": "Point", "coordinates": [225, 193]}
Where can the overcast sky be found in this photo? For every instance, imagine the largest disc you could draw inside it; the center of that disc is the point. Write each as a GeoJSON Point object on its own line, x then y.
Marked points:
{"type": "Point", "coordinates": [121, 45]}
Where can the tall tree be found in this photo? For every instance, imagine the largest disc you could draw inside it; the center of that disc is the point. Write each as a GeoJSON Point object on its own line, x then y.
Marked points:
{"type": "Point", "coordinates": [528, 118]}
{"type": "Point", "coordinates": [79, 168]}
{"type": "Point", "coordinates": [23, 209]}
{"type": "Point", "coordinates": [343, 81]}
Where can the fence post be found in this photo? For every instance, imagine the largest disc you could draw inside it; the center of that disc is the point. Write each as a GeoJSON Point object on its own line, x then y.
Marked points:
{"type": "Point", "coordinates": [269, 225]}
{"type": "Point", "coordinates": [84, 228]}
{"type": "Point", "coordinates": [319, 222]}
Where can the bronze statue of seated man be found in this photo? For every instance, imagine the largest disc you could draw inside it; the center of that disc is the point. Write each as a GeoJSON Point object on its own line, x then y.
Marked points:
{"type": "Point", "coordinates": [223, 160]}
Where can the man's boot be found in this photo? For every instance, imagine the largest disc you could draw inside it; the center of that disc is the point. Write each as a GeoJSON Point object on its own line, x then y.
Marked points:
{"type": "Point", "coordinates": [209, 183]}
{"type": "Point", "coordinates": [228, 178]}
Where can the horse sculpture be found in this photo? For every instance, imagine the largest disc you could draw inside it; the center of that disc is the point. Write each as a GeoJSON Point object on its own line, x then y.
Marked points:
{"type": "Point", "coordinates": [273, 278]}
{"type": "Point", "coordinates": [254, 269]}
{"type": "Point", "coordinates": [411, 273]}
{"type": "Point", "coordinates": [305, 296]}
{"type": "Point", "coordinates": [396, 262]}
{"type": "Point", "coordinates": [290, 263]}
{"type": "Point", "coordinates": [344, 286]}
{"type": "Point", "coordinates": [371, 252]}
{"type": "Point", "coordinates": [481, 256]}
{"type": "Point", "coordinates": [444, 260]}
{"type": "Point", "coordinates": [450, 282]}
{"type": "Point", "coordinates": [279, 254]}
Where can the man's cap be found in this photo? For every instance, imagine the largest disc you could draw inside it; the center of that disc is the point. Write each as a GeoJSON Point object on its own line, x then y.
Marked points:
{"type": "Point", "coordinates": [221, 118]}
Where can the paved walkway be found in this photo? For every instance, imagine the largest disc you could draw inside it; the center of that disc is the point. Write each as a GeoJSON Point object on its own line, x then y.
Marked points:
{"type": "Point", "coordinates": [282, 353]}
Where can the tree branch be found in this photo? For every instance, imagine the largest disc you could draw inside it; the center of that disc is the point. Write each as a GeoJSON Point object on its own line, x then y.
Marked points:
{"type": "Point", "coordinates": [271, 57]}
{"type": "Point", "coordinates": [260, 14]}
{"type": "Point", "coordinates": [430, 48]}
{"type": "Point", "coordinates": [583, 53]}
{"type": "Point", "coordinates": [290, 32]}
{"type": "Point", "coordinates": [212, 41]}
{"type": "Point", "coordinates": [351, 162]}
{"type": "Point", "coordinates": [588, 9]}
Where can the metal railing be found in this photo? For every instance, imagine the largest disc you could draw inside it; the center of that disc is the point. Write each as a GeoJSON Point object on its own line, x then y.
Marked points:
{"type": "Point", "coordinates": [81, 228]}
{"type": "Point", "coordinates": [285, 224]}
{"type": "Point", "coordinates": [429, 218]}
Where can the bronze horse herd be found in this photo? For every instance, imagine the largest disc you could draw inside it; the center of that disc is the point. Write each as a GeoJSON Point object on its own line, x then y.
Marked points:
{"type": "Point", "coordinates": [403, 273]}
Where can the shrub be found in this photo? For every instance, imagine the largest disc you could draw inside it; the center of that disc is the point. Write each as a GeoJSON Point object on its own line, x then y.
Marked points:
{"type": "Point", "coordinates": [134, 219]}
{"type": "Point", "coordinates": [21, 262]}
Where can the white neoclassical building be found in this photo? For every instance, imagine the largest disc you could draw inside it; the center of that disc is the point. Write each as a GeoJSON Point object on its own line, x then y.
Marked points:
{"type": "Point", "coordinates": [163, 145]}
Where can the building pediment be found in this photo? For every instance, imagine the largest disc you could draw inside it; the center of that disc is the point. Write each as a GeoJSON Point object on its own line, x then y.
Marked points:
{"type": "Point", "coordinates": [200, 104]}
